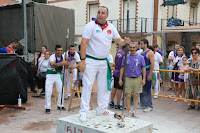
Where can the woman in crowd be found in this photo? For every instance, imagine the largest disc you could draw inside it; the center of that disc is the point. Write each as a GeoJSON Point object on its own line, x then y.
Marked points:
{"type": "Point", "coordinates": [42, 68]}
{"type": "Point", "coordinates": [193, 79]}
{"type": "Point", "coordinates": [176, 63]}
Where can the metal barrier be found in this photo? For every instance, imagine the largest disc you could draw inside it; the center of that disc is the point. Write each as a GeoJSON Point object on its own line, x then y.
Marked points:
{"type": "Point", "coordinates": [175, 95]}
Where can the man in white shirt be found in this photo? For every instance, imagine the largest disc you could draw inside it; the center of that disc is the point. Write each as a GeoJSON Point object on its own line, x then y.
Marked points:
{"type": "Point", "coordinates": [158, 60]}
{"type": "Point", "coordinates": [73, 58]}
{"type": "Point", "coordinates": [171, 57]}
{"type": "Point", "coordinates": [56, 63]}
{"type": "Point", "coordinates": [95, 46]}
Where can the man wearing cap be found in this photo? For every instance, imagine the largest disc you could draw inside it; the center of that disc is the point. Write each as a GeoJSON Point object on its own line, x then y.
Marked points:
{"type": "Point", "coordinates": [95, 46]}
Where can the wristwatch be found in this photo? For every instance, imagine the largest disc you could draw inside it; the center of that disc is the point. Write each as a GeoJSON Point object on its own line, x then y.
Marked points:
{"type": "Point", "coordinates": [83, 58]}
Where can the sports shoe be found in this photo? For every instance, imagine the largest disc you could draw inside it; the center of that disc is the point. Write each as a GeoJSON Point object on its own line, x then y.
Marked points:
{"type": "Point", "coordinates": [170, 89]}
{"type": "Point", "coordinates": [185, 101]}
{"type": "Point", "coordinates": [134, 115]}
{"type": "Point", "coordinates": [191, 107]}
{"type": "Point", "coordinates": [155, 97]}
{"type": "Point", "coordinates": [140, 107]}
{"type": "Point", "coordinates": [82, 117]}
{"type": "Point", "coordinates": [63, 108]}
{"type": "Point", "coordinates": [129, 114]}
{"type": "Point", "coordinates": [147, 109]}
{"type": "Point", "coordinates": [176, 100]}
{"type": "Point", "coordinates": [48, 111]}
{"type": "Point", "coordinates": [120, 107]}
{"type": "Point", "coordinates": [106, 112]}
{"type": "Point", "coordinates": [112, 104]}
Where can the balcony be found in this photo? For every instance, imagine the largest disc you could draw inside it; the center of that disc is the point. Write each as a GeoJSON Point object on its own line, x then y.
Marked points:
{"type": "Point", "coordinates": [185, 25]}
{"type": "Point", "coordinates": [136, 25]}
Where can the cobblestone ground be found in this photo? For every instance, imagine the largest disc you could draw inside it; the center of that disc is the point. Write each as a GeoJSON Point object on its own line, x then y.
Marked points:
{"type": "Point", "coordinates": [167, 117]}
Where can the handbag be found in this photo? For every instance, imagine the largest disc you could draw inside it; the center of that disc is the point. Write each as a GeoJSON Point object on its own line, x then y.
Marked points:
{"type": "Point", "coordinates": [42, 75]}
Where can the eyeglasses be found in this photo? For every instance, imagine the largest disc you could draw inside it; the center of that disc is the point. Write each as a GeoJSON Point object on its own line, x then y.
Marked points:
{"type": "Point", "coordinates": [194, 52]}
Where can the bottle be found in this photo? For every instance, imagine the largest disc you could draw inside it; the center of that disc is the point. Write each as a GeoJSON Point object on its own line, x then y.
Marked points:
{"type": "Point", "coordinates": [19, 101]}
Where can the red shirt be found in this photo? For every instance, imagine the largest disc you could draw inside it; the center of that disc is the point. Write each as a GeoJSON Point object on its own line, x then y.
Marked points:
{"type": "Point", "coordinates": [10, 50]}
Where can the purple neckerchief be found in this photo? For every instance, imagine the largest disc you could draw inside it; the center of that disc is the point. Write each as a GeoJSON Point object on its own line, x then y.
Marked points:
{"type": "Point", "coordinates": [70, 56]}
{"type": "Point", "coordinates": [57, 61]}
{"type": "Point", "coordinates": [95, 20]}
{"type": "Point", "coordinates": [174, 53]}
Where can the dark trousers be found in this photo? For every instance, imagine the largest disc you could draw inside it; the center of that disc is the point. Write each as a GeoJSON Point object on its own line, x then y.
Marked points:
{"type": "Point", "coordinates": [145, 96]}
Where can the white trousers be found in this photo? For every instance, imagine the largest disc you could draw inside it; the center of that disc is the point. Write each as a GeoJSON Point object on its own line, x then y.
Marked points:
{"type": "Point", "coordinates": [74, 78]}
{"type": "Point", "coordinates": [52, 79]}
{"type": "Point", "coordinates": [157, 84]}
{"type": "Point", "coordinates": [93, 68]}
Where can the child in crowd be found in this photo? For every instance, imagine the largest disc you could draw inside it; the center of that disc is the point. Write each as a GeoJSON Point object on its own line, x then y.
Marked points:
{"type": "Point", "coordinates": [176, 63]}
{"type": "Point", "coordinates": [183, 77]}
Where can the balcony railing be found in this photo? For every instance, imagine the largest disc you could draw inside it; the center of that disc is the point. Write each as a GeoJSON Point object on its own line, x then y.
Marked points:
{"type": "Point", "coordinates": [136, 25]}
{"type": "Point", "coordinates": [184, 23]}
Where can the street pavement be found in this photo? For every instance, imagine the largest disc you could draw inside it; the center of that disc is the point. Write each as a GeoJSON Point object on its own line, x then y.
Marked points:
{"type": "Point", "coordinates": [167, 116]}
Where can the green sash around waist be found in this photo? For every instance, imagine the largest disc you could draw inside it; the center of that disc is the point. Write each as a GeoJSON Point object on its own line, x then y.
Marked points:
{"type": "Point", "coordinates": [109, 71]}
{"type": "Point", "coordinates": [54, 72]}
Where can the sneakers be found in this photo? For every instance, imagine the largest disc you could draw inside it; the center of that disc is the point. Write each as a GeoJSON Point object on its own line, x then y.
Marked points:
{"type": "Point", "coordinates": [112, 104]}
{"type": "Point", "coordinates": [140, 107]}
{"type": "Point", "coordinates": [63, 108]}
{"type": "Point", "coordinates": [48, 111]}
{"type": "Point", "coordinates": [185, 101]}
{"type": "Point", "coordinates": [42, 93]}
{"type": "Point", "coordinates": [83, 118]}
{"type": "Point", "coordinates": [191, 107]}
{"type": "Point", "coordinates": [155, 97]}
{"type": "Point", "coordinates": [170, 89]}
{"type": "Point", "coordinates": [147, 109]}
{"type": "Point", "coordinates": [106, 112]}
{"type": "Point", "coordinates": [132, 114]}
{"type": "Point", "coordinates": [176, 100]}
{"type": "Point", "coordinates": [129, 114]}
{"type": "Point", "coordinates": [118, 107]}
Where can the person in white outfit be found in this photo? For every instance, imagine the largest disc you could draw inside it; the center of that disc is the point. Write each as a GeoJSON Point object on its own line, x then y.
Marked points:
{"type": "Point", "coordinates": [56, 63]}
{"type": "Point", "coordinates": [73, 58]}
{"type": "Point", "coordinates": [158, 60]}
{"type": "Point", "coordinates": [95, 46]}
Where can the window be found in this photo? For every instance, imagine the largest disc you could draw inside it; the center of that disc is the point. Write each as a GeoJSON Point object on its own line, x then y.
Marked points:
{"type": "Point", "coordinates": [92, 11]}
{"type": "Point", "coordinates": [193, 14]}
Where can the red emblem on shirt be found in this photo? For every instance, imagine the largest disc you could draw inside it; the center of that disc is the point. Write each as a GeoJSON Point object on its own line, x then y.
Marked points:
{"type": "Point", "coordinates": [109, 31]}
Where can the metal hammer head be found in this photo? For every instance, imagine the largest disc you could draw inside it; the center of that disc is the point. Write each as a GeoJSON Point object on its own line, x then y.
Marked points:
{"type": "Point", "coordinates": [121, 124]}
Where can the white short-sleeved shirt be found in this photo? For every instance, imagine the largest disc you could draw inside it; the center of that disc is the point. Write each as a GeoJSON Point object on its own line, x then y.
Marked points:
{"type": "Point", "coordinates": [172, 55]}
{"type": "Point", "coordinates": [139, 51]}
{"type": "Point", "coordinates": [53, 58]}
{"type": "Point", "coordinates": [158, 59]}
{"type": "Point", "coordinates": [99, 39]}
{"type": "Point", "coordinates": [178, 59]}
{"type": "Point", "coordinates": [43, 64]}
{"type": "Point", "coordinates": [75, 59]}
{"type": "Point", "coordinates": [110, 58]}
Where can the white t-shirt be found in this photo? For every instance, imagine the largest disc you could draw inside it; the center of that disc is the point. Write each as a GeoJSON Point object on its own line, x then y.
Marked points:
{"type": "Point", "coordinates": [158, 59]}
{"type": "Point", "coordinates": [43, 64]}
{"type": "Point", "coordinates": [172, 55]}
{"type": "Point", "coordinates": [75, 59]}
{"type": "Point", "coordinates": [139, 51]}
{"type": "Point", "coordinates": [178, 59]}
{"type": "Point", "coordinates": [110, 58]}
{"type": "Point", "coordinates": [99, 40]}
{"type": "Point", "coordinates": [53, 58]}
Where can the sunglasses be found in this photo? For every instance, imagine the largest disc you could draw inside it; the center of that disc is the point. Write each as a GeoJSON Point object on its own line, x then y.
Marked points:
{"type": "Point", "coordinates": [194, 52]}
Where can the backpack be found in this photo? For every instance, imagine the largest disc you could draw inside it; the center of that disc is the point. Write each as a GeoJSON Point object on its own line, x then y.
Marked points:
{"type": "Point", "coordinates": [174, 22]}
